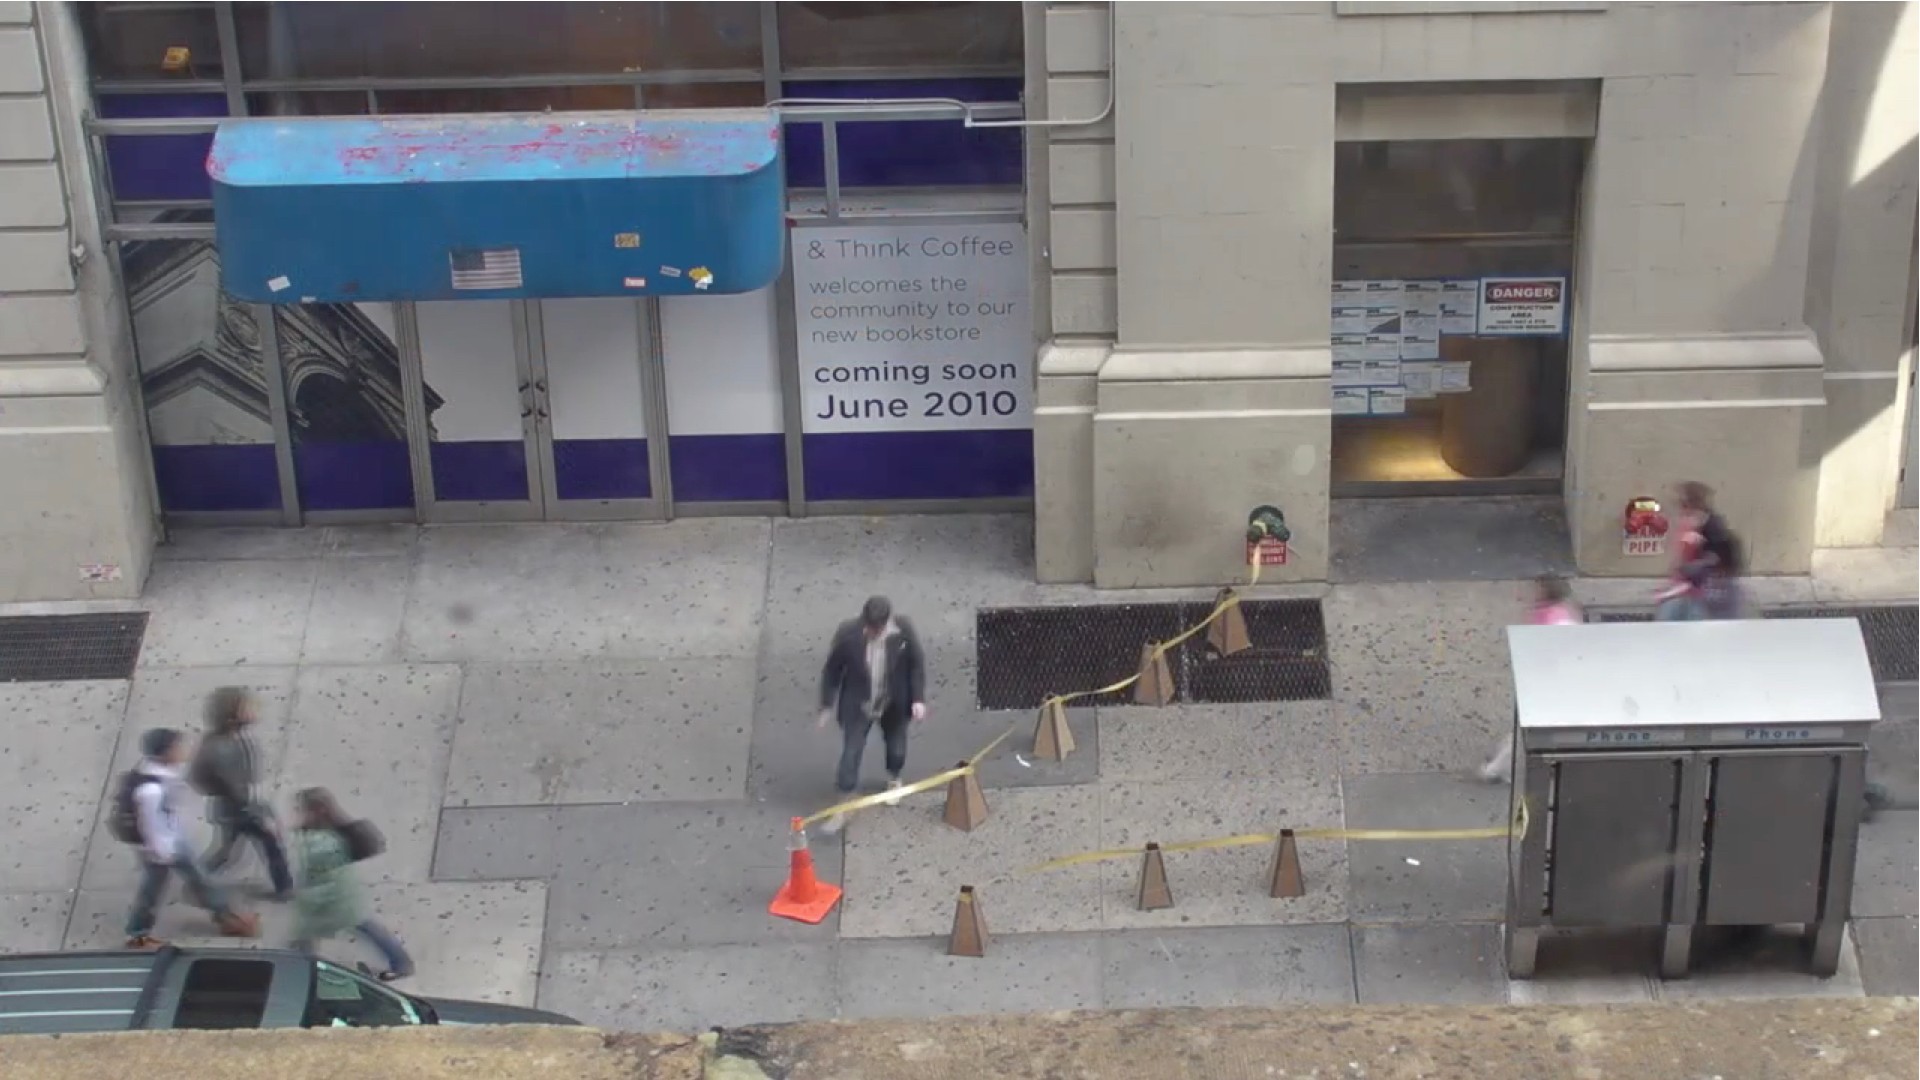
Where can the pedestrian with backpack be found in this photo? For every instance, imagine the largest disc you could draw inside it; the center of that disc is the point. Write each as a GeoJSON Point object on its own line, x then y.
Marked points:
{"type": "Point", "coordinates": [227, 771]}
{"type": "Point", "coordinates": [1708, 561]}
{"type": "Point", "coordinates": [146, 814]}
{"type": "Point", "coordinates": [328, 901]}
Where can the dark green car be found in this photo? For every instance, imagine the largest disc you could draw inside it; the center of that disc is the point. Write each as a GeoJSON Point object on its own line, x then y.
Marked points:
{"type": "Point", "coordinates": [216, 989]}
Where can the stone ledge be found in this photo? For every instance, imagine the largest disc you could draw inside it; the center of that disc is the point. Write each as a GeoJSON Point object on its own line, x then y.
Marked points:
{"type": "Point", "coordinates": [1608, 353]}
{"type": "Point", "coordinates": [1796, 1039]}
{"type": "Point", "coordinates": [1189, 364]}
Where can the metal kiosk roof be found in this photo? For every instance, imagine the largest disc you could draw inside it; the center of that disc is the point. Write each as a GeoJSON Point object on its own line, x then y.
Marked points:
{"type": "Point", "coordinates": [496, 206]}
{"type": "Point", "coordinates": [1748, 672]}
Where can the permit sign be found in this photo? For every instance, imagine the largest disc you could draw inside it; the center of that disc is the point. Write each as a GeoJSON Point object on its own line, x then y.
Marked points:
{"type": "Point", "coordinates": [1523, 306]}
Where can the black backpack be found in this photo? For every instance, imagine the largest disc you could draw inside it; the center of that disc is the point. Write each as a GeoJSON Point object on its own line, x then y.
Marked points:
{"type": "Point", "coordinates": [362, 840]}
{"type": "Point", "coordinates": [1730, 556]}
{"type": "Point", "coordinates": [123, 820]}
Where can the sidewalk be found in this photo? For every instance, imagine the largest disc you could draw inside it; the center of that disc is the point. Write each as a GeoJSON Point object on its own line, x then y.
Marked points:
{"type": "Point", "coordinates": [583, 743]}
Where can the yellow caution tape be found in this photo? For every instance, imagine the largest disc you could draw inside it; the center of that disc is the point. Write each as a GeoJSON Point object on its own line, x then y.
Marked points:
{"type": "Point", "coordinates": [1495, 832]}
{"type": "Point", "coordinates": [1219, 609]}
{"type": "Point", "coordinates": [888, 798]}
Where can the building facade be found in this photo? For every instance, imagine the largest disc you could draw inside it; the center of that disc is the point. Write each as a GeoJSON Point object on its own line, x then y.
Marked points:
{"type": "Point", "coordinates": [1314, 250]}
{"type": "Point", "coordinates": [1143, 267]}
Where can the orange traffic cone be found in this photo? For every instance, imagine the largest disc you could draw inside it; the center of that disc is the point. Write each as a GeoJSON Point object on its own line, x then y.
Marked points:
{"type": "Point", "coordinates": [803, 898]}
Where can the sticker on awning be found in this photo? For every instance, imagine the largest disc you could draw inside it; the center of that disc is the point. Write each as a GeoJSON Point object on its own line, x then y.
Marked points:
{"type": "Point", "coordinates": [485, 268]}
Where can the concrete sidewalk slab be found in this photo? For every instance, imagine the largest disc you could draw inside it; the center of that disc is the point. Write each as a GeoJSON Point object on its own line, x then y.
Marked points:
{"type": "Point", "coordinates": [100, 917]}
{"type": "Point", "coordinates": [692, 989]}
{"type": "Point", "coordinates": [1865, 574]}
{"type": "Point", "coordinates": [1502, 538]}
{"type": "Point", "coordinates": [358, 606]}
{"type": "Point", "coordinates": [1287, 739]}
{"type": "Point", "coordinates": [61, 739]}
{"type": "Point", "coordinates": [209, 614]}
{"type": "Point", "coordinates": [387, 763]}
{"type": "Point", "coordinates": [478, 941]}
{"type": "Point", "coordinates": [607, 731]}
{"type": "Point", "coordinates": [522, 593]}
{"type": "Point", "coordinates": [33, 921]}
{"type": "Point", "coordinates": [372, 541]}
{"type": "Point", "coordinates": [794, 762]}
{"type": "Point", "coordinates": [905, 866]}
{"type": "Point", "coordinates": [1889, 955]}
{"type": "Point", "coordinates": [674, 875]}
{"type": "Point", "coordinates": [1885, 866]}
{"type": "Point", "coordinates": [1020, 973]}
{"type": "Point", "coordinates": [1434, 964]}
{"type": "Point", "coordinates": [1229, 886]}
{"type": "Point", "coordinates": [241, 543]}
{"type": "Point", "coordinates": [1226, 966]}
{"type": "Point", "coordinates": [1423, 685]}
{"type": "Point", "coordinates": [496, 843]}
{"type": "Point", "coordinates": [937, 570]}
{"type": "Point", "coordinates": [1415, 881]}
{"type": "Point", "coordinates": [176, 698]}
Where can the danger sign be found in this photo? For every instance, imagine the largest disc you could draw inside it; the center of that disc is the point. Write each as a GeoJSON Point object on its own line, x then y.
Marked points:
{"type": "Point", "coordinates": [1523, 307]}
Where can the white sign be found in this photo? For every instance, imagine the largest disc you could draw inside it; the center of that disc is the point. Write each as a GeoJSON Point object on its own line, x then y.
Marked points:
{"type": "Point", "coordinates": [1523, 306]}
{"type": "Point", "coordinates": [1420, 378]}
{"type": "Point", "coordinates": [913, 327]}
{"type": "Point", "coordinates": [1459, 306]}
{"type": "Point", "coordinates": [1387, 401]}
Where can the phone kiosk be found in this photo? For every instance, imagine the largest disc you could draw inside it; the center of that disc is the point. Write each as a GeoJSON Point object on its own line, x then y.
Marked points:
{"type": "Point", "coordinates": [1675, 775]}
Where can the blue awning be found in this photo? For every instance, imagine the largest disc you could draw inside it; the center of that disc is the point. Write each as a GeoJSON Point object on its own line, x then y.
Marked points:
{"type": "Point", "coordinates": [487, 206]}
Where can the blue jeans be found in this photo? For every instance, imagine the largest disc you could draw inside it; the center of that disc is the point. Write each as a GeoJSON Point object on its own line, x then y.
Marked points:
{"type": "Point", "coordinates": [238, 822]}
{"type": "Point", "coordinates": [853, 744]}
{"type": "Point", "coordinates": [382, 939]}
{"type": "Point", "coordinates": [1680, 609]}
{"type": "Point", "coordinates": [153, 885]}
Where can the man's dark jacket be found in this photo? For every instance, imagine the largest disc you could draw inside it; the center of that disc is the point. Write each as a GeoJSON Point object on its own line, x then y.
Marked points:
{"type": "Point", "coordinates": [845, 675]}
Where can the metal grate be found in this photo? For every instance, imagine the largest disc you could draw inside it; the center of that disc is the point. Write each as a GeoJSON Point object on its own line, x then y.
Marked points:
{"type": "Point", "coordinates": [1028, 654]}
{"type": "Point", "coordinates": [67, 648]}
{"type": "Point", "coordinates": [1892, 633]}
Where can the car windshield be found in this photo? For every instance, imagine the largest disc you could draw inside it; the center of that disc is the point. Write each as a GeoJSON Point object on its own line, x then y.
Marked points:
{"type": "Point", "coordinates": [342, 998]}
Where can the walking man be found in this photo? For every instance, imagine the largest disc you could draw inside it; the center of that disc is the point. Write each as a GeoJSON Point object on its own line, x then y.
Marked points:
{"type": "Point", "coordinates": [146, 814]}
{"type": "Point", "coordinates": [227, 771]}
{"type": "Point", "coordinates": [875, 673]}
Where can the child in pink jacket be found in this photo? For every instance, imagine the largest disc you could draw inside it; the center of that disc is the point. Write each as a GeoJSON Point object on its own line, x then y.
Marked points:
{"type": "Point", "coordinates": [1552, 606]}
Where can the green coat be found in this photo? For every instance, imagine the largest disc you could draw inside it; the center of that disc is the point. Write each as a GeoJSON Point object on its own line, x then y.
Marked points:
{"type": "Point", "coordinates": [328, 900]}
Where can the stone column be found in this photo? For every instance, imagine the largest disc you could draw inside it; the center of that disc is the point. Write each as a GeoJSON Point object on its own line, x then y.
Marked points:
{"type": "Point", "coordinates": [74, 474]}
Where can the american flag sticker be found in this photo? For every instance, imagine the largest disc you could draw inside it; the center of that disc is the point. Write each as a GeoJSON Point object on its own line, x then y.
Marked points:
{"type": "Point", "coordinates": [485, 268]}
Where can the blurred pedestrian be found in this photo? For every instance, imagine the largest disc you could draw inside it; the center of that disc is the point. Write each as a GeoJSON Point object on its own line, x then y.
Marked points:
{"type": "Point", "coordinates": [227, 771]}
{"type": "Point", "coordinates": [146, 814]}
{"type": "Point", "coordinates": [1553, 605]}
{"type": "Point", "coordinates": [875, 674]}
{"type": "Point", "coordinates": [1708, 560]}
{"type": "Point", "coordinates": [328, 901]}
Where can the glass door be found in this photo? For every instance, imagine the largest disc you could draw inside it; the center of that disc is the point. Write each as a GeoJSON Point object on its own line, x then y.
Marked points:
{"type": "Point", "coordinates": [595, 381]}
{"type": "Point", "coordinates": [476, 400]}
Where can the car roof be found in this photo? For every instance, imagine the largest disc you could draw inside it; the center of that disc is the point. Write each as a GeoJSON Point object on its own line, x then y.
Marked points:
{"type": "Point", "coordinates": [45, 993]}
